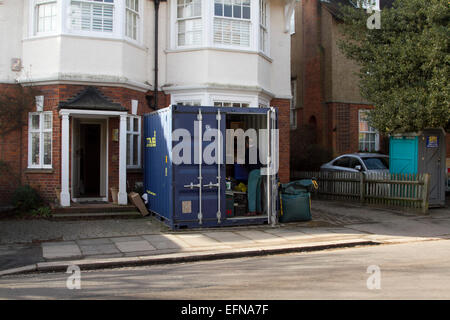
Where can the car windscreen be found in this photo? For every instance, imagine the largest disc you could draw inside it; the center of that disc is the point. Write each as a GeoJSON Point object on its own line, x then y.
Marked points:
{"type": "Point", "coordinates": [376, 163]}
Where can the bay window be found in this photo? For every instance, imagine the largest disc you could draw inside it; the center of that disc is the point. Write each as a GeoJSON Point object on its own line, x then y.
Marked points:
{"type": "Point", "coordinates": [189, 22]}
{"type": "Point", "coordinates": [232, 22]}
{"type": "Point", "coordinates": [231, 104]}
{"type": "Point", "coordinates": [133, 142]}
{"type": "Point", "coordinates": [46, 16]}
{"type": "Point", "coordinates": [40, 140]}
{"type": "Point", "coordinates": [92, 15]}
{"type": "Point", "coordinates": [132, 19]}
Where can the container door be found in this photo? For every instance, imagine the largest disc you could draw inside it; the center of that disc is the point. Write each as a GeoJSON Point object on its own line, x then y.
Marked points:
{"type": "Point", "coordinates": [199, 184]}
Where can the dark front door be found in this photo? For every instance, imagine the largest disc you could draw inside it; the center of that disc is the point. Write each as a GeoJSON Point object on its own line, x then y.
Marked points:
{"type": "Point", "coordinates": [90, 141]}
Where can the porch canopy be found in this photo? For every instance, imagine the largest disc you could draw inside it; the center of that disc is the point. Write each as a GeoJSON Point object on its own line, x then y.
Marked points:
{"type": "Point", "coordinates": [90, 102]}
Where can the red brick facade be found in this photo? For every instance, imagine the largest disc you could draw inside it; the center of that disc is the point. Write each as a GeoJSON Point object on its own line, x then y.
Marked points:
{"type": "Point", "coordinates": [284, 144]}
{"type": "Point", "coordinates": [14, 146]}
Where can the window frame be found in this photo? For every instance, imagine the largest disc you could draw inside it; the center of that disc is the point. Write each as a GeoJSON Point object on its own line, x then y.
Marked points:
{"type": "Point", "coordinates": [41, 132]}
{"type": "Point", "coordinates": [293, 105]}
{"type": "Point", "coordinates": [207, 23]}
{"type": "Point", "coordinates": [130, 133]}
{"type": "Point", "coordinates": [138, 21]}
{"type": "Point", "coordinates": [265, 28]}
{"type": "Point", "coordinates": [35, 15]}
{"type": "Point", "coordinates": [249, 21]}
{"type": "Point", "coordinates": [92, 32]}
{"type": "Point", "coordinates": [191, 18]}
{"type": "Point", "coordinates": [221, 103]}
{"type": "Point", "coordinates": [374, 131]}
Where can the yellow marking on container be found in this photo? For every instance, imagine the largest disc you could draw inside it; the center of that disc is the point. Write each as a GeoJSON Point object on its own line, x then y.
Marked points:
{"type": "Point", "coordinates": [151, 193]}
{"type": "Point", "coordinates": [151, 141]}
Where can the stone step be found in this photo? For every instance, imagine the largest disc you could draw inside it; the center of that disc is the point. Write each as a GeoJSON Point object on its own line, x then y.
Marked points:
{"type": "Point", "coordinates": [93, 208]}
{"type": "Point", "coordinates": [100, 215]}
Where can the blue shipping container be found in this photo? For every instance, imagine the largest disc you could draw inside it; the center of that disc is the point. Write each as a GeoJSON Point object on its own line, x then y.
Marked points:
{"type": "Point", "coordinates": [189, 194]}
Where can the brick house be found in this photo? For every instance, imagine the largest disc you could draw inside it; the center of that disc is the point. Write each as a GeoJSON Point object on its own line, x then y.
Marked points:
{"type": "Point", "coordinates": [101, 65]}
{"type": "Point", "coordinates": [325, 85]}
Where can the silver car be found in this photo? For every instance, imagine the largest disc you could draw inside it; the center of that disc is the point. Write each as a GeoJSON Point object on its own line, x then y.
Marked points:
{"type": "Point", "coordinates": [358, 162]}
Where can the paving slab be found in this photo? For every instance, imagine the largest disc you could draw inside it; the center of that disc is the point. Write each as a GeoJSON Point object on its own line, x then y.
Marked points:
{"type": "Point", "coordinates": [198, 240]}
{"type": "Point", "coordinates": [134, 246]}
{"type": "Point", "coordinates": [229, 237]}
{"type": "Point", "coordinates": [99, 249]}
{"type": "Point", "coordinates": [260, 236]}
{"type": "Point", "coordinates": [125, 239]}
{"type": "Point", "coordinates": [162, 242]}
{"type": "Point", "coordinates": [61, 250]}
{"type": "Point", "coordinates": [93, 242]}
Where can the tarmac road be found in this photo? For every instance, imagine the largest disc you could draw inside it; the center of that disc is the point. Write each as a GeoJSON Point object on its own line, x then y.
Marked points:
{"type": "Point", "coordinates": [417, 270]}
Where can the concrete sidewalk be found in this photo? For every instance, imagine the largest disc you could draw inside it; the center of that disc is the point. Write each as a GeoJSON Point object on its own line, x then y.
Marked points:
{"type": "Point", "coordinates": [334, 225]}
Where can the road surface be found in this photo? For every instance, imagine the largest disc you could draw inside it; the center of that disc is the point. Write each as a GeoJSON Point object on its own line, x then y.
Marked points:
{"type": "Point", "coordinates": [419, 270]}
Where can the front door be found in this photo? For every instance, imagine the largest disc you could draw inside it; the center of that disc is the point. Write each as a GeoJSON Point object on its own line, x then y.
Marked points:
{"type": "Point", "coordinates": [89, 167]}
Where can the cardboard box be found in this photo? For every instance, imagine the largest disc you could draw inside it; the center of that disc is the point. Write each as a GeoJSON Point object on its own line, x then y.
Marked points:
{"type": "Point", "coordinates": [137, 201]}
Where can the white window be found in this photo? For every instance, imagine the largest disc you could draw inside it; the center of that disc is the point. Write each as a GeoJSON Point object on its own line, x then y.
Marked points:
{"type": "Point", "coordinates": [132, 19]}
{"type": "Point", "coordinates": [293, 105]}
{"type": "Point", "coordinates": [263, 26]}
{"type": "Point", "coordinates": [368, 136]}
{"type": "Point", "coordinates": [365, 4]}
{"type": "Point", "coordinates": [231, 104]}
{"type": "Point", "coordinates": [40, 140]}
{"type": "Point", "coordinates": [133, 142]}
{"type": "Point", "coordinates": [232, 22]}
{"type": "Point", "coordinates": [189, 103]}
{"type": "Point", "coordinates": [46, 16]}
{"type": "Point", "coordinates": [92, 15]}
{"type": "Point", "coordinates": [189, 22]}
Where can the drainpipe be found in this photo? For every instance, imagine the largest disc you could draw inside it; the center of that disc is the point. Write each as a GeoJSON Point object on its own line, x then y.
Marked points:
{"type": "Point", "coordinates": [155, 100]}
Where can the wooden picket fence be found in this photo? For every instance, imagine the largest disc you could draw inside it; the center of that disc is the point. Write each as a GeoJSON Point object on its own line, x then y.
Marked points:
{"type": "Point", "coordinates": [409, 191]}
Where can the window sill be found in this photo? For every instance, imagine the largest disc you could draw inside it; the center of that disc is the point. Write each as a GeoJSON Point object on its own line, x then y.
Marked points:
{"type": "Point", "coordinates": [218, 48]}
{"type": "Point", "coordinates": [134, 170]}
{"type": "Point", "coordinates": [39, 170]}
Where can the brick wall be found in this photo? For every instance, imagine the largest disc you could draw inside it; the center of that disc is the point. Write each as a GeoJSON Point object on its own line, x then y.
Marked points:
{"type": "Point", "coordinates": [284, 131]}
{"type": "Point", "coordinates": [47, 180]}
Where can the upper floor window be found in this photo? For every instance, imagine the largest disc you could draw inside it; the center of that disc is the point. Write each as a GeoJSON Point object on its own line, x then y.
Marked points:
{"type": "Point", "coordinates": [368, 136]}
{"type": "Point", "coordinates": [232, 22]}
{"type": "Point", "coordinates": [263, 26]}
{"type": "Point", "coordinates": [189, 22]}
{"type": "Point", "coordinates": [46, 16]}
{"type": "Point", "coordinates": [132, 19]}
{"type": "Point", "coordinates": [92, 15]}
{"type": "Point", "coordinates": [366, 4]}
